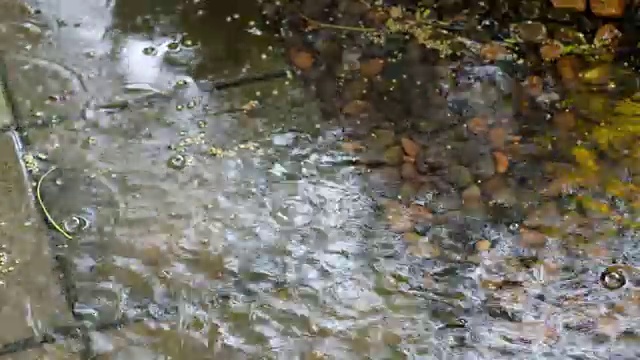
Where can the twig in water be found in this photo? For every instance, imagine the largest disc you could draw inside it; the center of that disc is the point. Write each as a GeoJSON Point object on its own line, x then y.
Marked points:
{"type": "Point", "coordinates": [245, 80]}
{"type": "Point", "coordinates": [44, 208]}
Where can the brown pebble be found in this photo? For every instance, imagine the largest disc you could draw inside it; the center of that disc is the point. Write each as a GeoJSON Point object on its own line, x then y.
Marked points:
{"type": "Point", "coordinates": [356, 107]}
{"type": "Point", "coordinates": [577, 5]}
{"type": "Point", "coordinates": [411, 237]}
{"type": "Point", "coordinates": [428, 281]}
{"type": "Point", "coordinates": [493, 51]}
{"type": "Point", "coordinates": [551, 267]}
{"type": "Point", "coordinates": [420, 213]}
{"type": "Point", "coordinates": [393, 156]}
{"type": "Point", "coordinates": [472, 195]}
{"type": "Point", "coordinates": [546, 215]}
{"type": "Point", "coordinates": [530, 31]}
{"type": "Point", "coordinates": [598, 75]}
{"type": "Point", "coordinates": [410, 147]}
{"type": "Point", "coordinates": [619, 308]}
{"type": "Point", "coordinates": [301, 59]}
{"type": "Point", "coordinates": [597, 251]}
{"type": "Point", "coordinates": [372, 67]}
{"type": "Point", "coordinates": [607, 8]}
{"type": "Point", "coordinates": [532, 239]}
{"type": "Point", "coordinates": [493, 184]}
{"type": "Point", "coordinates": [377, 16]}
{"type": "Point", "coordinates": [352, 147]}
{"type": "Point", "coordinates": [564, 120]}
{"type": "Point", "coordinates": [608, 35]}
{"type": "Point", "coordinates": [399, 221]}
{"type": "Point", "coordinates": [400, 224]}
{"type": "Point", "coordinates": [551, 50]}
{"type": "Point", "coordinates": [560, 185]}
{"type": "Point", "coordinates": [478, 125]}
{"type": "Point", "coordinates": [568, 70]}
{"type": "Point", "coordinates": [498, 137]}
{"type": "Point", "coordinates": [534, 86]}
{"type": "Point", "coordinates": [483, 245]}
{"type": "Point", "coordinates": [408, 171]}
{"type": "Point", "coordinates": [424, 250]}
{"type": "Point", "coordinates": [502, 162]}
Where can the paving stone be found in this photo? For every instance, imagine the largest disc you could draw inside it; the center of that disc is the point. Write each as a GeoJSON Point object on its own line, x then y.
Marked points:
{"type": "Point", "coordinates": [31, 299]}
{"type": "Point", "coordinates": [66, 351]}
{"type": "Point", "coordinates": [156, 341]}
{"type": "Point", "coordinates": [6, 119]}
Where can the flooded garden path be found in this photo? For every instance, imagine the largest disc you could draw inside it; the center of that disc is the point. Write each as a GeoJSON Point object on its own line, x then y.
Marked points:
{"type": "Point", "coordinates": [340, 201]}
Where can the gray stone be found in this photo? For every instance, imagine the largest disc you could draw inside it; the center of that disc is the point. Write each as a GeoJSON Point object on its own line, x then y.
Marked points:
{"type": "Point", "coordinates": [31, 300]}
{"type": "Point", "coordinates": [459, 176]}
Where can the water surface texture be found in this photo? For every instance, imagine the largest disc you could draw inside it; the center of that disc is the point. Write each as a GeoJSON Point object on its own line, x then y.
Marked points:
{"type": "Point", "coordinates": [230, 222]}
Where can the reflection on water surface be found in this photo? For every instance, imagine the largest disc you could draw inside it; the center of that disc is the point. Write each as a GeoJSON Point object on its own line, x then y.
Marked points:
{"type": "Point", "coordinates": [243, 234]}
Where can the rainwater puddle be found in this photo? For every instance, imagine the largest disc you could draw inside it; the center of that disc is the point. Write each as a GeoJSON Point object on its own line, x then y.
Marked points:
{"type": "Point", "coordinates": [234, 231]}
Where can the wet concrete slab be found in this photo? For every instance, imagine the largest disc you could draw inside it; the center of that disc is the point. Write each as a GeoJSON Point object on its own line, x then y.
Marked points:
{"type": "Point", "coordinates": [31, 299]}
{"type": "Point", "coordinates": [6, 120]}
{"type": "Point", "coordinates": [66, 351]}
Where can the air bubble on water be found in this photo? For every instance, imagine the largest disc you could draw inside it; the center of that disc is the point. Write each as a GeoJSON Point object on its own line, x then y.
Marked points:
{"type": "Point", "coordinates": [149, 50]}
{"type": "Point", "coordinates": [613, 278]}
{"type": "Point", "coordinates": [186, 42]}
{"type": "Point", "coordinates": [75, 224]}
{"type": "Point", "coordinates": [173, 46]}
{"type": "Point", "coordinates": [177, 162]}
